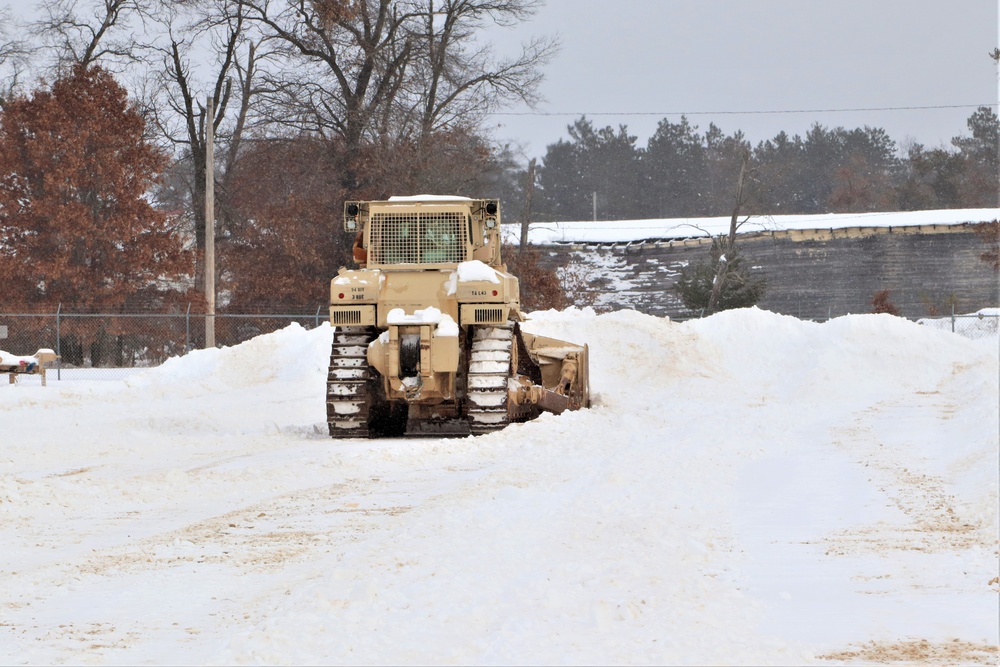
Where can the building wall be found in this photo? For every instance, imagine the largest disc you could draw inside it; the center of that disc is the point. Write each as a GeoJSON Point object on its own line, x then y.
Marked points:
{"type": "Point", "coordinates": [810, 273]}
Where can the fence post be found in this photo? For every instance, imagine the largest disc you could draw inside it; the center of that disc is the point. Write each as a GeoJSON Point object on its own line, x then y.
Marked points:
{"type": "Point", "coordinates": [58, 344]}
{"type": "Point", "coordinates": [318, 308]}
{"type": "Point", "coordinates": [187, 332]}
{"type": "Point", "coordinates": [953, 318]}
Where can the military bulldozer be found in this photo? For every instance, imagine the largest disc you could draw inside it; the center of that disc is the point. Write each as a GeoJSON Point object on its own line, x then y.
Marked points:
{"type": "Point", "coordinates": [427, 337]}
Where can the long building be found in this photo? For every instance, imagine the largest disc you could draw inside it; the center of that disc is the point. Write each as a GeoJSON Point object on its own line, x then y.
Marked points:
{"type": "Point", "coordinates": [816, 266]}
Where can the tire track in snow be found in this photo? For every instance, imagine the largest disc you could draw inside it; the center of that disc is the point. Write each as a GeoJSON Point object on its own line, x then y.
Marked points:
{"type": "Point", "coordinates": [935, 520]}
{"type": "Point", "coordinates": [264, 536]}
{"type": "Point", "coordinates": [935, 524]}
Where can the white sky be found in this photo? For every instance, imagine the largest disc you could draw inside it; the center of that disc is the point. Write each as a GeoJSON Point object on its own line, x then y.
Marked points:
{"type": "Point", "coordinates": [659, 56]}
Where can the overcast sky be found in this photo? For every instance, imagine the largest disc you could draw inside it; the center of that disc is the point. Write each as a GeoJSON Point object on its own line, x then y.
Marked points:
{"type": "Point", "coordinates": [635, 62]}
{"type": "Point", "coordinates": [663, 57]}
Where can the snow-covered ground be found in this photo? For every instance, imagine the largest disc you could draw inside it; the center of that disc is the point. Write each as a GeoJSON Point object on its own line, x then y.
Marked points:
{"type": "Point", "coordinates": [747, 489]}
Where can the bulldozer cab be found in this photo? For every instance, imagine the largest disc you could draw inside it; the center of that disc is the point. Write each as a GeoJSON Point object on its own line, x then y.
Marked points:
{"type": "Point", "coordinates": [441, 241]}
{"type": "Point", "coordinates": [424, 232]}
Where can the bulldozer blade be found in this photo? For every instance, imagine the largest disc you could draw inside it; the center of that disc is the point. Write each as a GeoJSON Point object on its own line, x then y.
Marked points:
{"type": "Point", "coordinates": [553, 402]}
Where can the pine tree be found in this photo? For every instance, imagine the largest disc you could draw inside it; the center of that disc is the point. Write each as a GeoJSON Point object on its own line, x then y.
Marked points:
{"type": "Point", "coordinates": [724, 282]}
{"type": "Point", "coordinates": [741, 288]}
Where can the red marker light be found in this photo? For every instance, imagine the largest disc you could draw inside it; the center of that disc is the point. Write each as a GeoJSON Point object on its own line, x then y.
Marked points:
{"type": "Point", "coordinates": [494, 292]}
{"type": "Point", "coordinates": [341, 295]}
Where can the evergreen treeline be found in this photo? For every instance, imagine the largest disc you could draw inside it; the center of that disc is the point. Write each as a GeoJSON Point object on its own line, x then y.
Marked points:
{"type": "Point", "coordinates": [682, 172]}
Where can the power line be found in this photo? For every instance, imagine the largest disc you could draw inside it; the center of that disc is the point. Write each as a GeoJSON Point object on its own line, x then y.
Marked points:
{"type": "Point", "coordinates": [734, 113]}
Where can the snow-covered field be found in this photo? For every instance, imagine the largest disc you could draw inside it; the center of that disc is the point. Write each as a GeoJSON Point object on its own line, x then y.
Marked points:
{"type": "Point", "coordinates": [747, 489]}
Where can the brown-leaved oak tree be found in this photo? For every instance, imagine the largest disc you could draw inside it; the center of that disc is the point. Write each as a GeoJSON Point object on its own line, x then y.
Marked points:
{"type": "Point", "coordinates": [76, 224]}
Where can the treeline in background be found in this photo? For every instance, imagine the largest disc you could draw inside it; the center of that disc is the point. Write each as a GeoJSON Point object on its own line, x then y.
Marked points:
{"type": "Point", "coordinates": [682, 172]}
{"type": "Point", "coordinates": [103, 142]}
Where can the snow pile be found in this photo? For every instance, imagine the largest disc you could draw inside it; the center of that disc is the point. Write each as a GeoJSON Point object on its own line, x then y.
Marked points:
{"type": "Point", "coordinates": [288, 355]}
{"type": "Point", "coordinates": [747, 489]}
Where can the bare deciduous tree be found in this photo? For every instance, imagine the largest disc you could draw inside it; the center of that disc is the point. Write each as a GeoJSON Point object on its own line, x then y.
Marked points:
{"type": "Point", "coordinates": [725, 270]}
{"type": "Point", "coordinates": [212, 35]}
{"type": "Point", "coordinates": [384, 71]}
{"type": "Point", "coordinates": [725, 282]}
{"type": "Point", "coordinates": [457, 76]}
{"type": "Point", "coordinates": [346, 61]}
{"type": "Point", "coordinates": [14, 53]}
{"type": "Point", "coordinates": [84, 32]}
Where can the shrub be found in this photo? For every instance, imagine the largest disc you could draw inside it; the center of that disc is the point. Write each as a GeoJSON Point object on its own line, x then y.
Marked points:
{"type": "Point", "coordinates": [882, 304]}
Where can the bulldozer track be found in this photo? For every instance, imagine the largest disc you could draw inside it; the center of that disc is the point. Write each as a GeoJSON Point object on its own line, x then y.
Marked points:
{"type": "Point", "coordinates": [350, 389]}
{"type": "Point", "coordinates": [490, 362]}
{"type": "Point", "coordinates": [356, 406]}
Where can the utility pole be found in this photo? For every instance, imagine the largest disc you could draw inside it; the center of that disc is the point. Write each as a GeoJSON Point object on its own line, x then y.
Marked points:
{"type": "Point", "coordinates": [210, 223]}
{"type": "Point", "coordinates": [526, 216]}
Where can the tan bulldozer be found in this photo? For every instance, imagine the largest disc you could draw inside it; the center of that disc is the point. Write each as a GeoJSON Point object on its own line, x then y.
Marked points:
{"type": "Point", "coordinates": [427, 337]}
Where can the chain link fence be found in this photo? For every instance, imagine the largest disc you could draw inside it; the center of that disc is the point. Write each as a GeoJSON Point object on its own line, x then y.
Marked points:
{"type": "Point", "coordinates": [982, 325]}
{"type": "Point", "coordinates": [110, 346]}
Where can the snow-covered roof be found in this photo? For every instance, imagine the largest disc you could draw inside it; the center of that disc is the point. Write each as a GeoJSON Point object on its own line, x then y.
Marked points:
{"type": "Point", "coordinates": [427, 198]}
{"type": "Point", "coordinates": [630, 231]}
